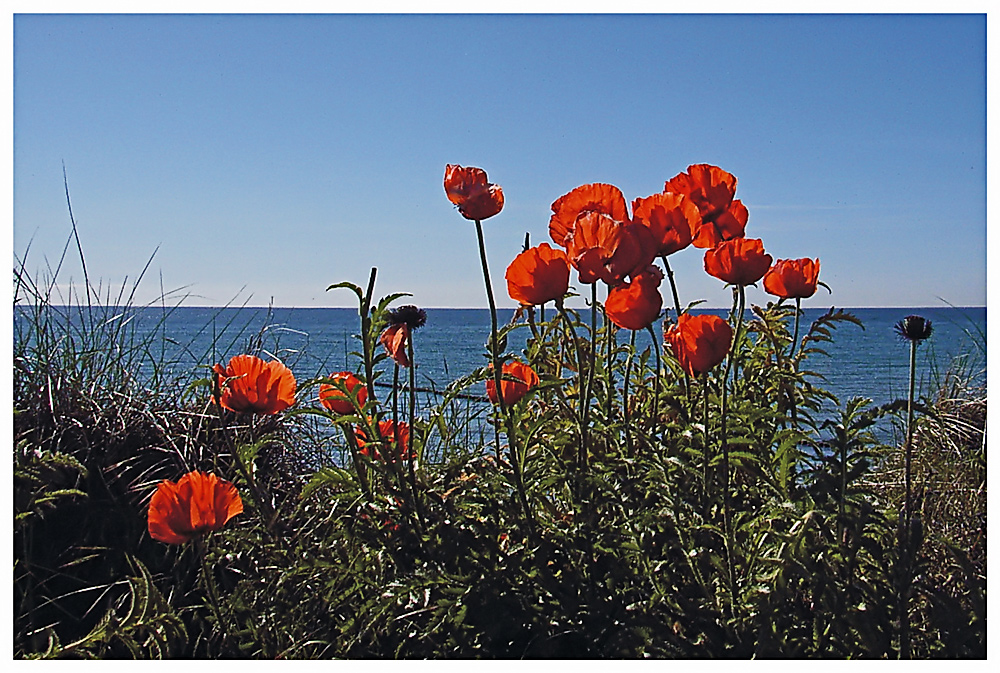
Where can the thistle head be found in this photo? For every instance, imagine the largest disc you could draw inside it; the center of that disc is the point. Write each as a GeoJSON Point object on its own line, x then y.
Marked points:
{"type": "Point", "coordinates": [913, 328]}
{"type": "Point", "coordinates": [408, 315]}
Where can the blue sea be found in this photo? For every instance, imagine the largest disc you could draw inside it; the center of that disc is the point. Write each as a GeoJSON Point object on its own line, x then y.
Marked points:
{"type": "Point", "coordinates": [871, 362]}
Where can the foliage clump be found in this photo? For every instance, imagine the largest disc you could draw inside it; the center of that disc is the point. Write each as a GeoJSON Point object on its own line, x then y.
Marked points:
{"type": "Point", "coordinates": [622, 504]}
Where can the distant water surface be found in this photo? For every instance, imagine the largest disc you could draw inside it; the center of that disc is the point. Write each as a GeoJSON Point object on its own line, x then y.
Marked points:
{"type": "Point", "coordinates": [871, 362]}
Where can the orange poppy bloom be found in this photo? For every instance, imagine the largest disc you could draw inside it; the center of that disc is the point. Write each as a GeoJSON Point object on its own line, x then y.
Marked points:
{"type": "Point", "coordinates": [635, 305]}
{"type": "Point", "coordinates": [513, 391]}
{"type": "Point", "coordinates": [469, 189]}
{"type": "Point", "coordinates": [709, 187]}
{"type": "Point", "coordinates": [792, 278]}
{"type": "Point", "coordinates": [387, 430]}
{"type": "Point", "coordinates": [712, 190]}
{"type": "Point", "coordinates": [741, 261]}
{"type": "Point", "coordinates": [248, 384]}
{"type": "Point", "coordinates": [593, 198]}
{"type": "Point", "coordinates": [538, 275]}
{"type": "Point", "coordinates": [394, 338]}
{"type": "Point", "coordinates": [670, 218]}
{"type": "Point", "coordinates": [728, 225]}
{"type": "Point", "coordinates": [197, 504]}
{"type": "Point", "coordinates": [334, 399]}
{"type": "Point", "coordinates": [699, 342]}
{"type": "Point", "coordinates": [605, 249]}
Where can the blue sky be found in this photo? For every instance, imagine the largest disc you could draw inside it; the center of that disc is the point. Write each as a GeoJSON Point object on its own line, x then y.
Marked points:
{"type": "Point", "coordinates": [269, 156]}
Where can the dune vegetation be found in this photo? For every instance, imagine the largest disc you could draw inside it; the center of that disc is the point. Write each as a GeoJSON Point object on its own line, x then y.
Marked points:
{"type": "Point", "coordinates": [686, 501]}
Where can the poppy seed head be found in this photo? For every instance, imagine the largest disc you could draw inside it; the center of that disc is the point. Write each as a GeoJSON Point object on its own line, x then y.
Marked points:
{"type": "Point", "coordinates": [412, 316]}
{"type": "Point", "coordinates": [913, 328]}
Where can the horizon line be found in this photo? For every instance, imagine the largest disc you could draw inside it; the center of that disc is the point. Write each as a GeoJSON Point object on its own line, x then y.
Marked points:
{"type": "Point", "coordinates": [486, 308]}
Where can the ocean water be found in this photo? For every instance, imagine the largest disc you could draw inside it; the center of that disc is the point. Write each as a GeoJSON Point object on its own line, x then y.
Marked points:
{"type": "Point", "coordinates": [871, 362]}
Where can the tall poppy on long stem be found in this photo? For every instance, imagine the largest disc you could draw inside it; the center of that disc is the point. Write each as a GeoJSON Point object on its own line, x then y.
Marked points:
{"type": "Point", "coordinates": [793, 279]}
{"type": "Point", "coordinates": [470, 190]}
{"type": "Point", "coordinates": [477, 200]}
{"type": "Point", "coordinates": [632, 306]}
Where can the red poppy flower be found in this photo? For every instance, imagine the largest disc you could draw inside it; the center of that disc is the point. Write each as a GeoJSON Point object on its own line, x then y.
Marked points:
{"type": "Point", "coordinates": [248, 384]}
{"type": "Point", "coordinates": [594, 198]}
{"type": "Point", "coordinates": [728, 225]}
{"type": "Point", "coordinates": [538, 275]}
{"type": "Point", "coordinates": [792, 278]}
{"type": "Point", "coordinates": [709, 187]}
{"type": "Point", "coordinates": [469, 189]}
{"type": "Point", "coordinates": [394, 338]}
{"type": "Point", "coordinates": [699, 342]}
{"type": "Point", "coordinates": [387, 430]}
{"type": "Point", "coordinates": [712, 190]}
{"type": "Point", "coordinates": [635, 305]}
{"type": "Point", "coordinates": [670, 218]}
{"type": "Point", "coordinates": [741, 261]}
{"type": "Point", "coordinates": [197, 504]}
{"type": "Point", "coordinates": [513, 391]}
{"type": "Point", "coordinates": [334, 399]}
{"type": "Point", "coordinates": [605, 249]}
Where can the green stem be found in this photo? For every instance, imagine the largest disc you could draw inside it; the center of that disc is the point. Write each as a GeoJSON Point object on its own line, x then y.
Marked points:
{"type": "Point", "coordinates": [909, 433]}
{"type": "Point", "coordinates": [609, 328]}
{"type": "Point", "coordinates": [201, 547]}
{"type": "Point", "coordinates": [585, 401]}
{"type": "Point", "coordinates": [410, 453]}
{"type": "Point", "coordinates": [726, 497]}
{"type": "Point", "coordinates": [366, 338]}
{"type": "Point", "coordinates": [625, 402]}
{"type": "Point", "coordinates": [497, 377]}
{"type": "Point", "coordinates": [724, 441]}
{"type": "Point", "coordinates": [677, 308]}
{"type": "Point", "coordinates": [673, 285]}
{"type": "Point", "coordinates": [656, 379]}
{"type": "Point", "coordinates": [795, 363]}
{"type": "Point", "coordinates": [706, 481]}
{"type": "Point", "coordinates": [359, 466]}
